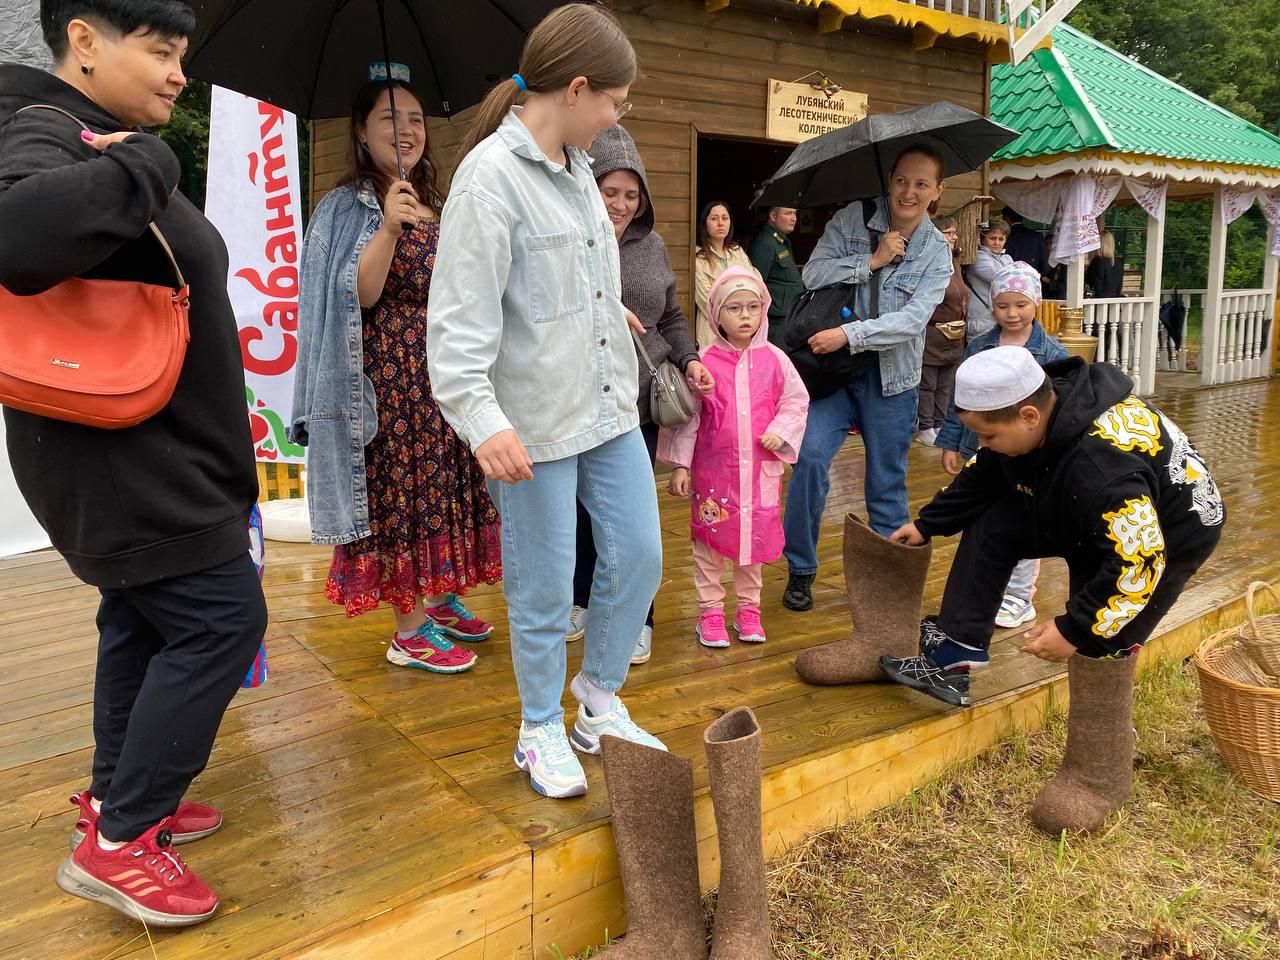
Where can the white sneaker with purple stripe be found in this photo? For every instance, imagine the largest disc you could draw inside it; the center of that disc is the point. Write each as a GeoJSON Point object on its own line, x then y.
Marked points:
{"type": "Point", "coordinates": [544, 753]}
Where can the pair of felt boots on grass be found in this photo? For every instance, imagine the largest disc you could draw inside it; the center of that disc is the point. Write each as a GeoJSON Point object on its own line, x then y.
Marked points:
{"type": "Point", "coordinates": [890, 642]}
{"type": "Point", "coordinates": [651, 798]}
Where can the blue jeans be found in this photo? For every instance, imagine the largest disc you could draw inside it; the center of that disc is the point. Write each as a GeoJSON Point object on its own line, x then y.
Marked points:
{"type": "Point", "coordinates": [614, 481]}
{"type": "Point", "coordinates": [886, 424]}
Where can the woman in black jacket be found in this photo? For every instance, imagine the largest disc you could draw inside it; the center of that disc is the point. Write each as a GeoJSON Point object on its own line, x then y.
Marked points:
{"type": "Point", "coordinates": [155, 516]}
{"type": "Point", "coordinates": [1104, 277]}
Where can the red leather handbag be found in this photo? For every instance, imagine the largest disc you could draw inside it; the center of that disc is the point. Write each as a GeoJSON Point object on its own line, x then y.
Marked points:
{"type": "Point", "coordinates": [104, 353]}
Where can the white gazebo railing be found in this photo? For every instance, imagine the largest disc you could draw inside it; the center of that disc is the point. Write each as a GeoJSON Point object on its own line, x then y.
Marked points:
{"type": "Point", "coordinates": [1243, 317]}
{"type": "Point", "coordinates": [1122, 326]}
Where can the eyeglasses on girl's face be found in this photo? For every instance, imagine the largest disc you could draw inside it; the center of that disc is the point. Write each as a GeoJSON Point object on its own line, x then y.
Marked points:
{"type": "Point", "coordinates": [752, 308]}
{"type": "Point", "coordinates": [620, 107]}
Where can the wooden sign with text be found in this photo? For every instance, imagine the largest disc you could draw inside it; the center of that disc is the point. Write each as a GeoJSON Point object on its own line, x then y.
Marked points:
{"type": "Point", "coordinates": [798, 111]}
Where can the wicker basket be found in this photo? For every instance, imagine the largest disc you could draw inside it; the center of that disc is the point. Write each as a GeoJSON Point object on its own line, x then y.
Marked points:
{"type": "Point", "coordinates": [1261, 635]}
{"type": "Point", "coordinates": [1244, 717]}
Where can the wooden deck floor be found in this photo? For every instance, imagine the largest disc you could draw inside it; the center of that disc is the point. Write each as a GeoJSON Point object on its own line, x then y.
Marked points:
{"type": "Point", "coordinates": [374, 812]}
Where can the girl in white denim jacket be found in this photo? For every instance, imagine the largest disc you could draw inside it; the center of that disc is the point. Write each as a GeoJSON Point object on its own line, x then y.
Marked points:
{"type": "Point", "coordinates": [532, 363]}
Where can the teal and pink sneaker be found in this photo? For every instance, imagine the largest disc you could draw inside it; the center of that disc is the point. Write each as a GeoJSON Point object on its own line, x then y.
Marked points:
{"type": "Point", "coordinates": [429, 649]}
{"type": "Point", "coordinates": [453, 617]}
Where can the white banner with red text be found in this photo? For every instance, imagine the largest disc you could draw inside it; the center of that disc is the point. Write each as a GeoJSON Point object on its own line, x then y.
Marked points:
{"type": "Point", "coordinates": [254, 198]}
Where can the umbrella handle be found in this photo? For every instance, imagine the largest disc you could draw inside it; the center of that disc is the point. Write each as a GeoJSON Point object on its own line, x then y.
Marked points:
{"type": "Point", "coordinates": [391, 97]}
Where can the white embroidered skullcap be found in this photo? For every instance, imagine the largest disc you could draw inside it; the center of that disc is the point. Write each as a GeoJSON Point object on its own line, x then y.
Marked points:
{"type": "Point", "coordinates": [997, 378]}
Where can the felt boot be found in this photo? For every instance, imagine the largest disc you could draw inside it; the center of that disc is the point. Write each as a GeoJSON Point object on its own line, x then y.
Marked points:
{"type": "Point", "coordinates": [1097, 770]}
{"type": "Point", "coordinates": [742, 905]}
{"type": "Point", "coordinates": [885, 584]}
{"type": "Point", "coordinates": [651, 797]}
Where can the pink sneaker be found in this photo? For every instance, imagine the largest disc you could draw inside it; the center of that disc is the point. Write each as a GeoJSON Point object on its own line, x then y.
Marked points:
{"type": "Point", "coordinates": [454, 619]}
{"type": "Point", "coordinates": [430, 650]}
{"type": "Point", "coordinates": [710, 629]}
{"type": "Point", "coordinates": [747, 624]}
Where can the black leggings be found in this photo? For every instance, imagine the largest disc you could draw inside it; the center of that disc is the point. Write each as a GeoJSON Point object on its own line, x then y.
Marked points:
{"type": "Point", "coordinates": [586, 562]}
{"type": "Point", "coordinates": [171, 655]}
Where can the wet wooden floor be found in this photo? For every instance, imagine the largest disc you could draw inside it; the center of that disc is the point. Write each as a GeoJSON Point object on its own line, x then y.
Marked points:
{"type": "Point", "coordinates": [374, 812]}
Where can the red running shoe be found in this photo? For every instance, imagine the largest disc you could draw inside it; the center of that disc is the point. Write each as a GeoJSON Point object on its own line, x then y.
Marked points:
{"type": "Point", "coordinates": [454, 619]}
{"type": "Point", "coordinates": [191, 821]}
{"type": "Point", "coordinates": [146, 879]}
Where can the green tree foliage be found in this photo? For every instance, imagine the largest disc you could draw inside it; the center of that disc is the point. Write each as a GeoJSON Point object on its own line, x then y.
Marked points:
{"type": "Point", "coordinates": [187, 134]}
{"type": "Point", "coordinates": [1228, 53]}
{"type": "Point", "coordinates": [1225, 52]}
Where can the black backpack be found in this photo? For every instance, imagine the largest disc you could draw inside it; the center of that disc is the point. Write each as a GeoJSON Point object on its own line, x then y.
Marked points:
{"type": "Point", "coordinates": [823, 309]}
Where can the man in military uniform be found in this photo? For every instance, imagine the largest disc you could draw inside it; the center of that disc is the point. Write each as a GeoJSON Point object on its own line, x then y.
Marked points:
{"type": "Point", "coordinates": [772, 256]}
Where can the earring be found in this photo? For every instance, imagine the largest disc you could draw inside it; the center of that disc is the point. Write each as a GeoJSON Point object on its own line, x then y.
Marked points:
{"type": "Point", "coordinates": [86, 69]}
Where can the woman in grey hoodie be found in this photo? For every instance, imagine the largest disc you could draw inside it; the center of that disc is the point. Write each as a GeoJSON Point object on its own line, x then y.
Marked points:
{"type": "Point", "coordinates": [649, 294]}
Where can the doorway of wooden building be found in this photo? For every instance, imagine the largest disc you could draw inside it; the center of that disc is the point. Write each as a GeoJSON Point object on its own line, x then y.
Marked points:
{"type": "Point", "coordinates": [732, 170]}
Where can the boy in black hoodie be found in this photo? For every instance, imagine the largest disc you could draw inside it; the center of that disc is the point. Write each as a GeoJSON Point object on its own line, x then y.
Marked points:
{"type": "Point", "coordinates": [1072, 465]}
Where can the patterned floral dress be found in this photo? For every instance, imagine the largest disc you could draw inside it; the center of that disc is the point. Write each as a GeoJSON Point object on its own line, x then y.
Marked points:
{"type": "Point", "coordinates": [434, 528]}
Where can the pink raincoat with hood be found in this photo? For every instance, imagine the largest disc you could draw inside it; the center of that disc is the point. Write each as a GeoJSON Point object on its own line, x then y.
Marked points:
{"type": "Point", "coordinates": [735, 483]}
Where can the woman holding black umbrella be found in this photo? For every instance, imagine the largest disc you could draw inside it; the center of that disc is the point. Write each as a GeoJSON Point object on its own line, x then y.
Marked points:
{"type": "Point", "coordinates": [154, 515]}
{"type": "Point", "coordinates": [895, 245]}
{"type": "Point", "coordinates": [532, 362]}
{"type": "Point", "coordinates": [406, 508]}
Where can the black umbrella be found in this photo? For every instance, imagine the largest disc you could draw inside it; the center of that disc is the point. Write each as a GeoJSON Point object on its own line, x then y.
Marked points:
{"type": "Point", "coordinates": [850, 163]}
{"type": "Point", "coordinates": [310, 56]}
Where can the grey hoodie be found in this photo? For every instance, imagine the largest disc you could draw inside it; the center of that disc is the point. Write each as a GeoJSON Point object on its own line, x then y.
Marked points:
{"type": "Point", "coordinates": [648, 282]}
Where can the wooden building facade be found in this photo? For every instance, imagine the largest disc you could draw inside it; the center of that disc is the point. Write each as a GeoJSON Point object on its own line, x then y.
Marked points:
{"type": "Point", "coordinates": [700, 105]}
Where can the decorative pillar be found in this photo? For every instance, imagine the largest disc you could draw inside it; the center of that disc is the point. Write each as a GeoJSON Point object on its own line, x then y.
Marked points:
{"type": "Point", "coordinates": [1153, 277]}
{"type": "Point", "coordinates": [1270, 272]}
{"type": "Point", "coordinates": [1211, 323]}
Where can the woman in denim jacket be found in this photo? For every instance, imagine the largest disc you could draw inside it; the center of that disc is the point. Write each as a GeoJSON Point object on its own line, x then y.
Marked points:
{"type": "Point", "coordinates": [912, 264]}
{"type": "Point", "coordinates": [533, 364]}
{"type": "Point", "coordinates": [389, 482]}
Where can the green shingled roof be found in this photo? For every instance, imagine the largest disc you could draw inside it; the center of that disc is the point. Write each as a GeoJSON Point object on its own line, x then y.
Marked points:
{"type": "Point", "coordinates": [1083, 96]}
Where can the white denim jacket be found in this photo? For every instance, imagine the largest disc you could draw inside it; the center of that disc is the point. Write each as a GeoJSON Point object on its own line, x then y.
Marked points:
{"type": "Point", "coordinates": [526, 326]}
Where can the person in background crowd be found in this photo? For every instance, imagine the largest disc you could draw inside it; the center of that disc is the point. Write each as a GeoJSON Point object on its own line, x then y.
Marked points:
{"type": "Point", "coordinates": [406, 508]}
{"type": "Point", "coordinates": [756, 385]}
{"type": "Point", "coordinates": [1104, 277]}
{"type": "Point", "coordinates": [533, 363]}
{"type": "Point", "coordinates": [944, 340]}
{"type": "Point", "coordinates": [156, 516]}
{"type": "Point", "coordinates": [991, 260]}
{"type": "Point", "coordinates": [1016, 297]}
{"type": "Point", "coordinates": [649, 293]}
{"type": "Point", "coordinates": [1024, 244]}
{"type": "Point", "coordinates": [912, 265]}
{"type": "Point", "coordinates": [775, 261]}
{"type": "Point", "coordinates": [717, 252]}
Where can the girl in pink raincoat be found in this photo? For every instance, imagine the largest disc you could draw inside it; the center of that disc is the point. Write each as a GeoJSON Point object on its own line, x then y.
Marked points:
{"type": "Point", "coordinates": [735, 447]}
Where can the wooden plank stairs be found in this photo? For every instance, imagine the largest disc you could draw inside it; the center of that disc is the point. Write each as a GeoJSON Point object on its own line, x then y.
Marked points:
{"type": "Point", "coordinates": [374, 812]}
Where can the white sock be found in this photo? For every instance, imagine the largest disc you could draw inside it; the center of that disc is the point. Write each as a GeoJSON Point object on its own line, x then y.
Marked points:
{"type": "Point", "coordinates": [96, 804]}
{"type": "Point", "coordinates": [598, 702]}
{"type": "Point", "coordinates": [107, 844]}
{"type": "Point", "coordinates": [406, 635]}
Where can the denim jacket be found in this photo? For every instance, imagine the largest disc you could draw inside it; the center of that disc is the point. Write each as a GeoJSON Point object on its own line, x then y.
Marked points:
{"type": "Point", "coordinates": [527, 329]}
{"type": "Point", "coordinates": [954, 435]}
{"type": "Point", "coordinates": [910, 290]}
{"type": "Point", "coordinates": [334, 410]}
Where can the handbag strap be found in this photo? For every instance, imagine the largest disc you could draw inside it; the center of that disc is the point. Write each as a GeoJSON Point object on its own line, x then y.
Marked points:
{"type": "Point", "coordinates": [164, 244]}
{"type": "Point", "coordinates": [644, 354]}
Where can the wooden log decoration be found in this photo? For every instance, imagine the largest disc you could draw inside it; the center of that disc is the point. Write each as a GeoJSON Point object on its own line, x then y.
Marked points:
{"type": "Point", "coordinates": [968, 215]}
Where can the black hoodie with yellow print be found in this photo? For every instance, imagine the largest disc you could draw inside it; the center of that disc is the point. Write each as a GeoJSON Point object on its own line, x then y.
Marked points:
{"type": "Point", "coordinates": [1117, 489]}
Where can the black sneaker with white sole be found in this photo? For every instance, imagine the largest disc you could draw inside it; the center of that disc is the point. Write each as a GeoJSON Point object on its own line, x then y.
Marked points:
{"type": "Point", "coordinates": [921, 673]}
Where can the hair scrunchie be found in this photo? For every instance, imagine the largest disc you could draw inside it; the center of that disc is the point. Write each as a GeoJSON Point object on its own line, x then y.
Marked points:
{"type": "Point", "coordinates": [524, 87]}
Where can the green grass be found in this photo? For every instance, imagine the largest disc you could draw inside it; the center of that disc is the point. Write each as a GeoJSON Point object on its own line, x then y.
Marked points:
{"type": "Point", "coordinates": [1188, 869]}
